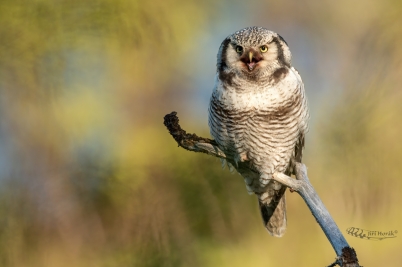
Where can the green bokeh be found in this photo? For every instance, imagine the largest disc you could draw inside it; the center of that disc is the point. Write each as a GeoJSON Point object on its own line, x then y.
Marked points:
{"type": "Point", "coordinates": [90, 177]}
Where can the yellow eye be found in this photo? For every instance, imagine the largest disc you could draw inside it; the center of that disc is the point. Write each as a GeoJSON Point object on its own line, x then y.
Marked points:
{"type": "Point", "coordinates": [263, 48]}
{"type": "Point", "coordinates": [239, 49]}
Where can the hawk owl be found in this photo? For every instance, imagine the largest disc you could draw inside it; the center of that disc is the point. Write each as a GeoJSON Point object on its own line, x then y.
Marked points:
{"type": "Point", "coordinates": [258, 115]}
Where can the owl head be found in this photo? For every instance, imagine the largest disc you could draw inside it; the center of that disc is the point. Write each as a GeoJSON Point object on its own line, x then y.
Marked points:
{"type": "Point", "coordinates": [252, 53]}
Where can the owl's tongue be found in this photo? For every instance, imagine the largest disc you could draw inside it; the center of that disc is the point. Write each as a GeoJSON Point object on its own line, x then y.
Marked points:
{"type": "Point", "coordinates": [251, 65]}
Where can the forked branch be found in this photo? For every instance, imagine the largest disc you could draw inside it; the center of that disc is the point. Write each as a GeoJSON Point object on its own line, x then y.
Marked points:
{"type": "Point", "coordinates": [346, 256]}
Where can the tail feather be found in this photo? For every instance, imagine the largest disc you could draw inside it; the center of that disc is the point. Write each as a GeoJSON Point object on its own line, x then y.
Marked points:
{"type": "Point", "coordinates": [273, 211]}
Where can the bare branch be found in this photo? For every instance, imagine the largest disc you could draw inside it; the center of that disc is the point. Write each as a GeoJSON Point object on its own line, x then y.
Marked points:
{"type": "Point", "coordinates": [346, 256]}
{"type": "Point", "coordinates": [191, 142]}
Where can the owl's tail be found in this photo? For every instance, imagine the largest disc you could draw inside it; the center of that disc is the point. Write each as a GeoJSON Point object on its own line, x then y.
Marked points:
{"type": "Point", "coordinates": [273, 211]}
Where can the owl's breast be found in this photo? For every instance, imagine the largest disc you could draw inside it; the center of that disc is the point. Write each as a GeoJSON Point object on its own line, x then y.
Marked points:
{"type": "Point", "coordinates": [228, 126]}
{"type": "Point", "coordinates": [260, 125]}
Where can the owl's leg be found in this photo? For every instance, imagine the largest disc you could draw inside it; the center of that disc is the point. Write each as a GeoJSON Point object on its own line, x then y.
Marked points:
{"type": "Point", "coordinates": [240, 158]}
{"type": "Point", "coordinates": [243, 157]}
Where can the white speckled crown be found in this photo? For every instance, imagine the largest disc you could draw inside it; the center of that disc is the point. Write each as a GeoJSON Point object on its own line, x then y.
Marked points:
{"type": "Point", "coordinates": [252, 36]}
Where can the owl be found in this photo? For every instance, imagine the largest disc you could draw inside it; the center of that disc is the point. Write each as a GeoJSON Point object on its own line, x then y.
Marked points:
{"type": "Point", "coordinates": [258, 115]}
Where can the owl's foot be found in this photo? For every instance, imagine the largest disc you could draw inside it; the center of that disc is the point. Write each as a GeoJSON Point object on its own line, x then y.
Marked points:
{"type": "Point", "coordinates": [291, 190]}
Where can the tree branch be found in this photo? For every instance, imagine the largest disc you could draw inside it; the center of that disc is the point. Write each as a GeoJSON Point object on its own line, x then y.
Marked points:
{"type": "Point", "coordinates": [346, 256]}
{"type": "Point", "coordinates": [191, 142]}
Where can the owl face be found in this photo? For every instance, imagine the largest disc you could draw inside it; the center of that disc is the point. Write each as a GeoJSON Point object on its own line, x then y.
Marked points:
{"type": "Point", "coordinates": [253, 53]}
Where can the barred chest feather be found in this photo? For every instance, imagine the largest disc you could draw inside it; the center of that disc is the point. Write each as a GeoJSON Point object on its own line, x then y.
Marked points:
{"type": "Point", "coordinates": [259, 125]}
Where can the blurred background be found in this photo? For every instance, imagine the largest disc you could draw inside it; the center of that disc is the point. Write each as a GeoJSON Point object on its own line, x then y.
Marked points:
{"type": "Point", "coordinates": [89, 176]}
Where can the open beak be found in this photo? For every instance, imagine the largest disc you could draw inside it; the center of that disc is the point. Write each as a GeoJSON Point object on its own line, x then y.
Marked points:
{"type": "Point", "coordinates": [251, 58]}
{"type": "Point", "coordinates": [251, 64]}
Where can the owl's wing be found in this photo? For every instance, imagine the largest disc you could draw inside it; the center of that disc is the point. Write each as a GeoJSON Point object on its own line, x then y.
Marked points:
{"type": "Point", "coordinates": [304, 120]}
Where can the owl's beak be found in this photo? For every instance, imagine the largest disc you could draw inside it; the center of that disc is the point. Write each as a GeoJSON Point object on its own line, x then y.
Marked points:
{"type": "Point", "coordinates": [251, 58]}
{"type": "Point", "coordinates": [252, 63]}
